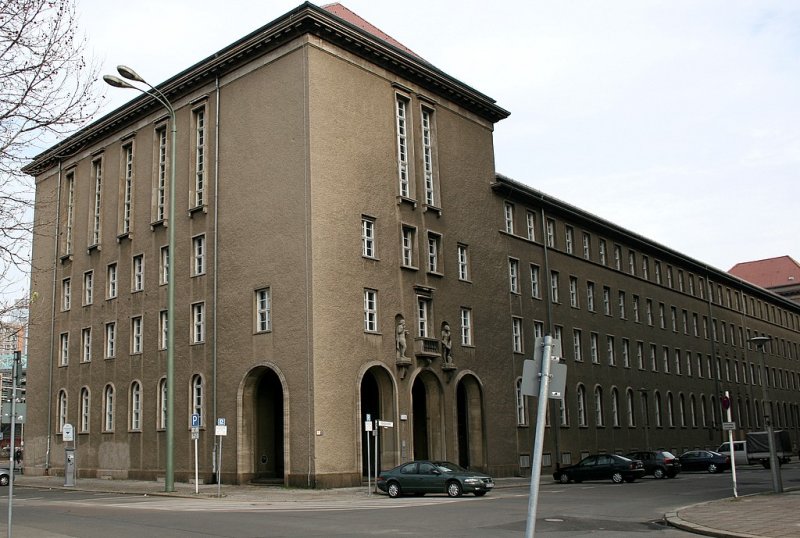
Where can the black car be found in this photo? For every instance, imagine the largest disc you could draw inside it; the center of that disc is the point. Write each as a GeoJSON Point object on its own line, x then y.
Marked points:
{"type": "Point", "coordinates": [659, 463]}
{"type": "Point", "coordinates": [601, 467]}
{"type": "Point", "coordinates": [421, 477]}
{"type": "Point", "coordinates": [704, 460]}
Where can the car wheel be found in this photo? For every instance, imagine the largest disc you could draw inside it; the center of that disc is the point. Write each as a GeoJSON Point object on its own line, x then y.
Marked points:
{"type": "Point", "coordinates": [659, 473]}
{"type": "Point", "coordinates": [480, 493]}
{"type": "Point", "coordinates": [617, 478]}
{"type": "Point", "coordinates": [564, 478]}
{"type": "Point", "coordinates": [454, 489]}
{"type": "Point", "coordinates": [393, 490]}
{"type": "Point", "coordinates": [4, 480]}
{"type": "Point", "coordinates": [712, 468]}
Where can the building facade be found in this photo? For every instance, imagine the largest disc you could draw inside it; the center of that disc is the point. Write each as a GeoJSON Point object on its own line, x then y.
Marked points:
{"type": "Point", "coordinates": [346, 251]}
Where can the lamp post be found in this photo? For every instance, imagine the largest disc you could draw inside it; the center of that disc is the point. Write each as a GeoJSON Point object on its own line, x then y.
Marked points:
{"type": "Point", "coordinates": [777, 485]}
{"type": "Point", "coordinates": [643, 392]}
{"type": "Point", "coordinates": [169, 426]}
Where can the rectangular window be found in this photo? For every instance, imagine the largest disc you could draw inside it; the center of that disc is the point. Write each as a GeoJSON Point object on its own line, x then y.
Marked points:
{"type": "Point", "coordinates": [662, 318]}
{"type": "Point", "coordinates": [85, 406]}
{"type": "Point", "coordinates": [618, 257]}
{"type": "Point", "coordinates": [163, 273]}
{"type": "Point", "coordinates": [569, 239]}
{"type": "Point", "coordinates": [640, 355]}
{"type": "Point", "coordinates": [198, 323]}
{"type": "Point", "coordinates": [88, 287]}
{"type": "Point", "coordinates": [401, 112]}
{"type": "Point", "coordinates": [198, 255]}
{"type": "Point", "coordinates": [594, 347]}
{"type": "Point", "coordinates": [367, 237]}
{"type": "Point", "coordinates": [677, 362]}
{"type": "Point", "coordinates": [136, 406]}
{"type": "Point", "coordinates": [551, 233]}
{"type": "Point", "coordinates": [199, 118]}
{"type": "Point", "coordinates": [665, 359]}
{"type": "Point", "coordinates": [162, 329]}
{"type": "Point", "coordinates": [137, 273]}
{"type": "Point", "coordinates": [111, 340]}
{"type": "Point", "coordinates": [466, 327]}
{"type": "Point", "coordinates": [632, 262]}
{"type": "Point", "coordinates": [653, 360]}
{"type": "Point", "coordinates": [424, 317]}
{"type": "Point", "coordinates": [522, 405]}
{"type": "Point", "coordinates": [649, 311]}
{"type": "Point", "coordinates": [673, 312]}
{"type": "Point", "coordinates": [159, 200]}
{"type": "Point", "coordinates": [657, 271]}
{"type": "Point", "coordinates": [531, 225]}
{"type": "Point", "coordinates": [536, 292]}
{"type": "Point", "coordinates": [427, 157]}
{"type": "Point", "coordinates": [516, 335]}
{"type": "Point", "coordinates": [622, 305]}
{"type": "Point", "coordinates": [538, 329]}
{"type": "Point", "coordinates": [645, 268]}
{"type": "Point", "coordinates": [573, 292]}
{"type": "Point", "coordinates": [513, 275]}
{"type": "Point", "coordinates": [263, 310]}
{"type": "Point", "coordinates": [601, 251]}
{"type": "Point", "coordinates": [97, 176]}
{"type": "Point", "coordinates": [554, 286]}
{"type": "Point", "coordinates": [669, 276]}
{"type": "Point", "coordinates": [606, 300]}
{"type": "Point", "coordinates": [587, 246]}
{"type": "Point", "coordinates": [590, 296]}
{"type": "Point", "coordinates": [108, 410]}
{"type": "Point", "coordinates": [434, 247]}
{"type": "Point", "coordinates": [136, 335]}
{"type": "Point", "coordinates": [407, 239]}
{"type": "Point", "coordinates": [370, 311]}
{"type": "Point", "coordinates": [111, 281]}
{"type": "Point", "coordinates": [612, 356]}
{"type": "Point", "coordinates": [63, 358]}
{"type": "Point", "coordinates": [463, 262]}
{"type": "Point", "coordinates": [576, 345]}
{"type": "Point", "coordinates": [636, 308]}
{"type": "Point", "coordinates": [70, 213]}
{"type": "Point", "coordinates": [127, 188]}
{"type": "Point", "coordinates": [86, 345]}
{"type": "Point", "coordinates": [66, 294]}
{"type": "Point", "coordinates": [508, 216]}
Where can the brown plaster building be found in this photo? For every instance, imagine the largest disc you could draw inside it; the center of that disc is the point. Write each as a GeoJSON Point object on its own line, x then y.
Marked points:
{"type": "Point", "coordinates": [345, 248]}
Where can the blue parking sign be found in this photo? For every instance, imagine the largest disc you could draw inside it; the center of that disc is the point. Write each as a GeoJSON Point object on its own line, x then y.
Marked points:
{"type": "Point", "coordinates": [195, 420]}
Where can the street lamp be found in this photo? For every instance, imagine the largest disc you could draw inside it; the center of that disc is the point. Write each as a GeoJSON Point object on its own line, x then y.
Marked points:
{"type": "Point", "coordinates": [130, 74]}
{"type": "Point", "coordinates": [777, 485]}
{"type": "Point", "coordinates": [643, 392]}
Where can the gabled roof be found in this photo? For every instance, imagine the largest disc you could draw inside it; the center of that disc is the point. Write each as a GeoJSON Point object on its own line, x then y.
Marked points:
{"type": "Point", "coordinates": [769, 273]}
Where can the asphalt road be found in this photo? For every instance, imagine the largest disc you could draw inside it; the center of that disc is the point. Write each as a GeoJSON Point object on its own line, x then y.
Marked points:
{"type": "Point", "coordinates": [596, 508]}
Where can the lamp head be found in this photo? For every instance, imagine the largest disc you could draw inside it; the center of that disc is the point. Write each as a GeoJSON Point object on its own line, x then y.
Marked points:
{"type": "Point", "coordinates": [760, 341]}
{"type": "Point", "coordinates": [117, 82]}
{"type": "Point", "coordinates": [129, 73]}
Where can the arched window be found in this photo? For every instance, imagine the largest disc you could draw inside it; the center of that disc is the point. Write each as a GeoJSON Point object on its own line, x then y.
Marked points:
{"type": "Point", "coordinates": [748, 412]}
{"type": "Point", "coordinates": [62, 410]}
{"type": "Point", "coordinates": [197, 397]}
{"type": "Point", "coordinates": [703, 411]}
{"type": "Point", "coordinates": [598, 406]}
{"type": "Point", "coordinates": [614, 407]}
{"type": "Point", "coordinates": [657, 408]}
{"type": "Point", "coordinates": [85, 406]}
{"type": "Point", "coordinates": [582, 421]}
{"type": "Point", "coordinates": [670, 410]}
{"type": "Point", "coordinates": [757, 415]}
{"type": "Point", "coordinates": [714, 411]}
{"type": "Point", "coordinates": [522, 405]}
{"type": "Point", "coordinates": [136, 406]}
{"type": "Point", "coordinates": [631, 410]}
{"type": "Point", "coordinates": [693, 410]}
{"type": "Point", "coordinates": [162, 403]}
{"type": "Point", "coordinates": [563, 410]}
{"type": "Point", "coordinates": [682, 410]}
{"type": "Point", "coordinates": [108, 408]}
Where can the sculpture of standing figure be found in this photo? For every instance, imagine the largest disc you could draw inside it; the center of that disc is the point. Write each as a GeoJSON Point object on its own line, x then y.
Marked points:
{"type": "Point", "coordinates": [400, 337]}
{"type": "Point", "coordinates": [447, 344]}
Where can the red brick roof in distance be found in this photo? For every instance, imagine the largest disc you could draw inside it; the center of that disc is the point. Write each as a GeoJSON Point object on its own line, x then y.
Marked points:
{"type": "Point", "coordinates": [769, 273]}
{"type": "Point", "coordinates": [343, 13]}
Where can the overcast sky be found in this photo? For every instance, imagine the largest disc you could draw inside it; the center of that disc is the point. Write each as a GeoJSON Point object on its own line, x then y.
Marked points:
{"type": "Point", "coordinates": [678, 120]}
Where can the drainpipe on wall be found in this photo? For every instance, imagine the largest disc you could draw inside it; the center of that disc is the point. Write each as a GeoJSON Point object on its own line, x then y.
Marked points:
{"type": "Point", "coordinates": [216, 272]}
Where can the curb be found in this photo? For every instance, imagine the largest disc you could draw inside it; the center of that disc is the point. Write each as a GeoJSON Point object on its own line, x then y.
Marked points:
{"type": "Point", "coordinates": [674, 520]}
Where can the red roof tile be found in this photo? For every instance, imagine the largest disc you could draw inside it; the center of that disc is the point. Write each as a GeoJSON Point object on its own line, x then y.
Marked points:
{"type": "Point", "coordinates": [769, 273]}
{"type": "Point", "coordinates": [344, 13]}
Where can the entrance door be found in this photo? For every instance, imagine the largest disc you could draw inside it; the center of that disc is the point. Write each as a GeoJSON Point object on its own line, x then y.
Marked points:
{"type": "Point", "coordinates": [268, 421]}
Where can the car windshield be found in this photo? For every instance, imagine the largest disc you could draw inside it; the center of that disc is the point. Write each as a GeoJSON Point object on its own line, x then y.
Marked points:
{"type": "Point", "coordinates": [448, 467]}
{"type": "Point", "coordinates": [668, 454]}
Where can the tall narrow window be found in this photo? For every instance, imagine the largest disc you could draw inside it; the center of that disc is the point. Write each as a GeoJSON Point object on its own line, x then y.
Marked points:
{"type": "Point", "coordinates": [64, 350]}
{"type": "Point", "coordinates": [618, 257]}
{"type": "Point", "coordinates": [407, 246]}
{"type": "Point", "coordinates": [136, 406]}
{"type": "Point", "coordinates": [263, 310]}
{"type": "Point", "coordinates": [587, 246]}
{"type": "Point", "coordinates": [593, 347]}
{"type": "Point", "coordinates": [612, 358]}
{"type": "Point", "coordinates": [427, 157]}
{"type": "Point", "coordinates": [66, 294]}
{"type": "Point", "coordinates": [88, 287]}
{"type": "Point", "coordinates": [551, 233]}
{"type": "Point", "coordinates": [401, 110]}
{"type": "Point", "coordinates": [434, 247]}
{"type": "Point", "coordinates": [569, 239]}
{"type": "Point", "coordinates": [127, 188]}
{"type": "Point", "coordinates": [423, 317]}
{"type": "Point", "coordinates": [136, 335]}
{"type": "Point", "coordinates": [581, 398]}
{"type": "Point", "coordinates": [137, 276]}
{"type": "Point", "coordinates": [367, 237]}
{"type": "Point", "coordinates": [598, 406]}
{"type": "Point", "coordinates": [111, 340]}
{"type": "Point", "coordinates": [198, 255]}
{"type": "Point", "coordinates": [530, 219]}
{"type": "Point", "coordinates": [370, 311]}
{"type": "Point", "coordinates": [163, 273]}
{"type": "Point", "coordinates": [573, 292]}
{"type": "Point", "coordinates": [508, 214]}
{"type": "Point", "coordinates": [516, 335]}
{"type": "Point", "coordinates": [590, 296]}
{"type": "Point", "coordinates": [601, 251]}
{"type": "Point", "coordinates": [70, 197]}
{"type": "Point", "coordinates": [614, 408]}
{"type": "Point", "coordinates": [554, 286]}
{"type": "Point", "coordinates": [162, 329]}
{"type": "Point", "coordinates": [111, 281]}
{"type": "Point", "coordinates": [97, 176]}
{"type": "Point", "coordinates": [463, 262]}
{"type": "Point", "coordinates": [85, 407]}
{"type": "Point", "coordinates": [522, 405]}
{"type": "Point", "coordinates": [576, 345]}
{"type": "Point", "coordinates": [513, 275]}
{"type": "Point", "coordinates": [162, 404]}
{"type": "Point", "coordinates": [636, 316]}
{"type": "Point", "coordinates": [622, 304]}
{"type": "Point", "coordinates": [466, 327]}
{"type": "Point", "coordinates": [160, 198]}
{"type": "Point", "coordinates": [198, 323]}
{"type": "Point", "coordinates": [626, 353]}
{"type": "Point", "coordinates": [536, 291]}
{"type": "Point", "coordinates": [199, 156]}
{"type": "Point", "coordinates": [631, 413]}
{"type": "Point", "coordinates": [197, 397]}
{"type": "Point", "coordinates": [62, 410]}
{"type": "Point", "coordinates": [86, 345]}
{"type": "Point", "coordinates": [606, 300]}
{"type": "Point", "coordinates": [108, 409]}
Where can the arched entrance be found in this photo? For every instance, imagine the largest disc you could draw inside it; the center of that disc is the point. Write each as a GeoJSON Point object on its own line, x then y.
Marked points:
{"type": "Point", "coordinates": [469, 402]}
{"type": "Point", "coordinates": [263, 426]}
{"type": "Point", "coordinates": [377, 402]}
{"type": "Point", "coordinates": [427, 425]}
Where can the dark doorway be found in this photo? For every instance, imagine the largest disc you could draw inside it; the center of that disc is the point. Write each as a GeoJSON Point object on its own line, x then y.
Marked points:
{"type": "Point", "coordinates": [463, 426]}
{"type": "Point", "coordinates": [269, 427]}
{"type": "Point", "coordinates": [420, 409]}
{"type": "Point", "coordinates": [370, 405]}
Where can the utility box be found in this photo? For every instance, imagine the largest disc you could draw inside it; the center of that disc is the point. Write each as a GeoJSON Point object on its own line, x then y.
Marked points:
{"type": "Point", "coordinates": [69, 466]}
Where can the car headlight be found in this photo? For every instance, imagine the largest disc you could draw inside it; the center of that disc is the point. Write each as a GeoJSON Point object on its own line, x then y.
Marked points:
{"type": "Point", "coordinates": [473, 481]}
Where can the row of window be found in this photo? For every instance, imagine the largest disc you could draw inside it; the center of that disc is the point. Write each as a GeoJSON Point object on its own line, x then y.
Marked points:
{"type": "Point", "coordinates": [639, 265]}
{"type": "Point", "coordinates": [405, 151]}
{"type": "Point", "coordinates": [262, 323]}
{"type": "Point", "coordinates": [784, 414]}
{"type": "Point", "coordinates": [135, 405]}
{"type": "Point", "coordinates": [677, 319]}
{"type": "Point", "coordinates": [126, 202]}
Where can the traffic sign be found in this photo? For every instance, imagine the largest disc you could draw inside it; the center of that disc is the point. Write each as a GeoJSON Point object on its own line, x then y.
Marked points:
{"type": "Point", "coordinates": [68, 433]}
{"type": "Point", "coordinates": [728, 426]}
{"type": "Point", "coordinates": [220, 422]}
{"type": "Point", "coordinates": [195, 420]}
{"type": "Point", "coordinates": [726, 402]}
{"type": "Point", "coordinates": [385, 423]}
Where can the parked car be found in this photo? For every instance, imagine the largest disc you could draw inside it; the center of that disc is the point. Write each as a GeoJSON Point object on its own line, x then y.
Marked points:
{"type": "Point", "coordinates": [659, 463]}
{"type": "Point", "coordinates": [5, 476]}
{"type": "Point", "coordinates": [704, 460]}
{"type": "Point", "coordinates": [421, 477]}
{"type": "Point", "coordinates": [601, 467]}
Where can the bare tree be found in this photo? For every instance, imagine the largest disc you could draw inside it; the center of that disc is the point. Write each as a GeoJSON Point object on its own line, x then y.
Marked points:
{"type": "Point", "coordinates": [47, 89]}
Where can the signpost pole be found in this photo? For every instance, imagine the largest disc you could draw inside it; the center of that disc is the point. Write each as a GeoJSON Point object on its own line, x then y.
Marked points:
{"type": "Point", "coordinates": [730, 443]}
{"type": "Point", "coordinates": [368, 431]}
{"type": "Point", "coordinates": [377, 436]}
{"type": "Point", "coordinates": [538, 440]}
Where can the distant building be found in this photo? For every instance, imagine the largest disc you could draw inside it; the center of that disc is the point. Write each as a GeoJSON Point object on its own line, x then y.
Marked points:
{"type": "Point", "coordinates": [779, 275]}
{"type": "Point", "coordinates": [347, 252]}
